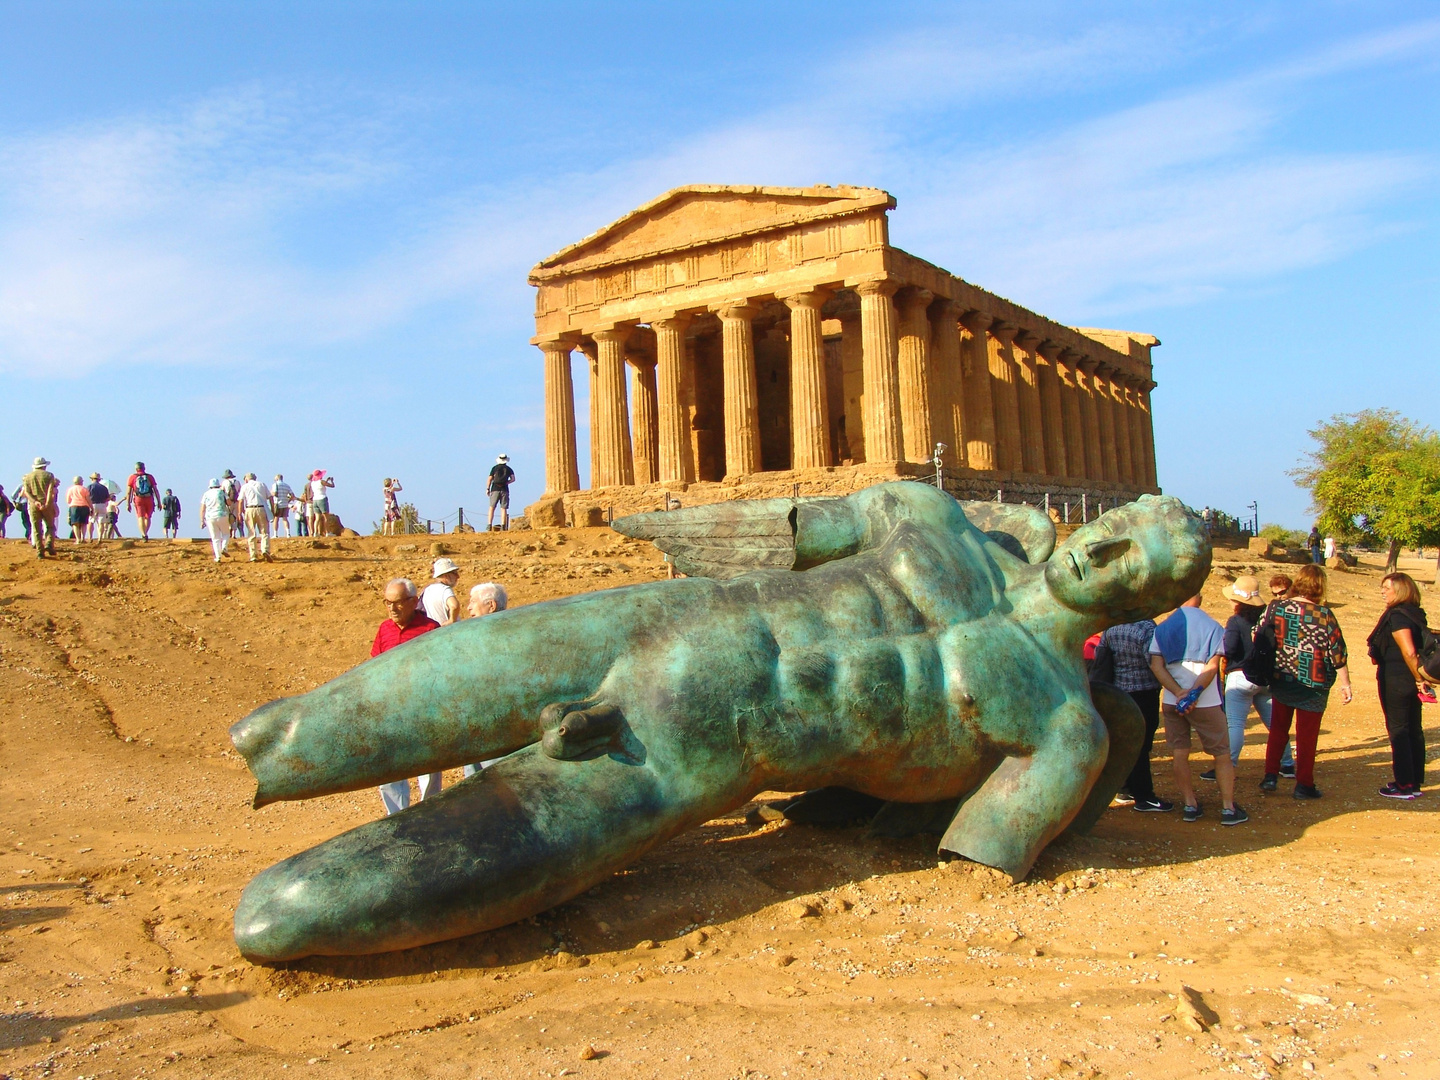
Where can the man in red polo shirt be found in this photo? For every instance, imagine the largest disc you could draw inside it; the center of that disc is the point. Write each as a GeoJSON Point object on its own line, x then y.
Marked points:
{"type": "Point", "coordinates": [403, 624]}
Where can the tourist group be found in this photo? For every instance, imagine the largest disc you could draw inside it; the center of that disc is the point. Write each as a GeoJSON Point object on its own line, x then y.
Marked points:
{"type": "Point", "coordinates": [1279, 657]}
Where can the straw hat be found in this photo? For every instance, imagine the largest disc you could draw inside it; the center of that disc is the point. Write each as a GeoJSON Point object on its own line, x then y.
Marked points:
{"type": "Point", "coordinates": [1244, 590]}
{"type": "Point", "coordinates": [443, 567]}
{"type": "Point", "coordinates": [41, 462]}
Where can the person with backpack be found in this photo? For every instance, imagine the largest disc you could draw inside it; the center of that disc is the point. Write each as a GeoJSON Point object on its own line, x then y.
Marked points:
{"type": "Point", "coordinates": [141, 494]}
{"type": "Point", "coordinates": [170, 509]}
{"type": "Point", "coordinates": [42, 492]}
{"type": "Point", "coordinates": [497, 489]}
{"type": "Point", "coordinates": [1395, 646]}
{"type": "Point", "coordinates": [1310, 658]}
{"type": "Point", "coordinates": [1240, 692]}
{"type": "Point", "coordinates": [99, 506]}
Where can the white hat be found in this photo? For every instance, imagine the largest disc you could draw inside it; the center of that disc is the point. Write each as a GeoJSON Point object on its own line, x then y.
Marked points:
{"type": "Point", "coordinates": [41, 462]}
{"type": "Point", "coordinates": [502, 457]}
{"type": "Point", "coordinates": [443, 567]}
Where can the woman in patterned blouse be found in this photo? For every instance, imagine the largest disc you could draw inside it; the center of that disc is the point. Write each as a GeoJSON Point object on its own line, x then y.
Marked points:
{"type": "Point", "coordinates": [1310, 658]}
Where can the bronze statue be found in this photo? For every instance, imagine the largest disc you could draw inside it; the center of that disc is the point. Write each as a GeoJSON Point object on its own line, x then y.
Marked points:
{"type": "Point", "coordinates": [888, 646]}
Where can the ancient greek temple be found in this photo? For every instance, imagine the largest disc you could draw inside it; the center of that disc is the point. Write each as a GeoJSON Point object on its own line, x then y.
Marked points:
{"type": "Point", "coordinates": [750, 341]}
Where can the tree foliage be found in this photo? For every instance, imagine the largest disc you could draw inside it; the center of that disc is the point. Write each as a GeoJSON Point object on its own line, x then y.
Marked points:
{"type": "Point", "coordinates": [1375, 475]}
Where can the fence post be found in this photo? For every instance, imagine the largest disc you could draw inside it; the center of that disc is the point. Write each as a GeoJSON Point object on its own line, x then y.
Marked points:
{"type": "Point", "coordinates": [1084, 507]}
{"type": "Point", "coordinates": [460, 524]}
{"type": "Point", "coordinates": [1067, 511]}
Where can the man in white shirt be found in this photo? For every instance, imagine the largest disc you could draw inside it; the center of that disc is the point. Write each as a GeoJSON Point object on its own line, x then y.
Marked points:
{"type": "Point", "coordinates": [255, 505]}
{"type": "Point", "coordinates": [439, 599]}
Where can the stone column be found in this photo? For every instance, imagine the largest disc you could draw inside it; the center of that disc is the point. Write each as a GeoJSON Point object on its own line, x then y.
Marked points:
{"type": "Point", "coordinates": [915, 376]}
{"type": "Point", "coordinates": [742, 402]}
{"type": "Point", "coordinates": [1137, 434]}
{"type": "Point", "coordinates": [615, 463]}
{"type": "Point", "coordinates": [1148, 431]}
{"type": "Point", "coordinates": [562, 467]}
{"type": "Point", "coordinates": [1007, 399]}
{"type": "Point", "coordinates": [591, 351]}
{"type": "Point", "coordinates": [852, 368]}
{"type": "Point", "coordinates": [881, 362]}
{"type": "Point", "coordinates": [1027, 389]}
{"type": "Point", "coordinates": [1070, 394]}
{"type": "Point", "coordinates": [948, 402]}
{"type": "Point", "coordinates": [1105, 413]}
{"type": "Point", "coordinates": [1052, 415]}
{"type": "Point", "coordinates": [809, 399]}
{"type": "Point", "coordinates": [1124, 466]}
{"type": "Point", "coordinates": [673, 430]}
{"type": "Point", "coordinates": [979, 401]}
{"type": "Point", "coordinates": [1094, 467]}
{"type": "Point", "coordinates": [644, 429]}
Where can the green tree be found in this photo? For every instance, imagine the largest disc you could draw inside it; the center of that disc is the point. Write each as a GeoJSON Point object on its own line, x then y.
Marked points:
{"type": "Point", "coordinates": [1375, 475]}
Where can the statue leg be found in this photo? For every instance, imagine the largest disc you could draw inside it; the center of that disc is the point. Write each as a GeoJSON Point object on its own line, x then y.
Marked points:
{"type": "Point", "coordinates": [464, 693]}
{"type": "Point", "coordinates": [526, 834]}
{"type": "Point", "coordinates": [1025, 803]}
{"type": "Point", "coordinates": [1126, 727]}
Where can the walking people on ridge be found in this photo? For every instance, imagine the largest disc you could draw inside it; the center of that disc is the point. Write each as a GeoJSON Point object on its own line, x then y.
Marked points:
{"type": "Point", "coordinates": [1129, 645]}
{"type": "Point", "coordinates": [215, 516]}
{"type": "Point", "coordinates": [1185, 657]}
{"type": "Point", "coordinates": [302, 510]}
{"type": "Point", "coordinates": [42, 492]}
{"type": "Point", "coordinates": [1393, 646]}
{"type": "Point", "coordinates": [497, 487]}
{"type": "Point", "coordinates": [404, 622]}
{"type": "Point", "coordinates": [21, 502]}
{"type": "Point", "coordinates": [77, 503]}
{"type": "Point", "coordinates": [390, 523]}
{"type": "Point", "coordinates": [1310, 658]}
{"type": "Point", "coordinates": [230, 488]}
{"type": "Point", "coordinates": [6, 509]}
{"type": "Point", "coordinates": [1313, 541]}
{"type": "Point", "coordinates": [99, 508]}
{"type": "Point", "coordinates": [255, 504]}
{"type": "Point", "coordinates": [170, 515]}
{"type": "Point", "coordinates": [141, 493]}
{"type": "Point", "coordinates": [319, 501]}
{"type": "Point", "coordinates": [1240, 692]}
{"type": "Point", "coordinates": [281, 495]}
{"type": "Point", "coordinates": [439, 599]}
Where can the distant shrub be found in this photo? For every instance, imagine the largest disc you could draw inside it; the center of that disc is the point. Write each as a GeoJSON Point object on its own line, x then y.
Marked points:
{"type": "Point", "coordinates": [1278, 534]}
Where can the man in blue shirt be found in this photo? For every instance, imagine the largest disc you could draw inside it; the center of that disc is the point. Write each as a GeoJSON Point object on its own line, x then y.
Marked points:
{"type": "Point", "coordinates": [1185, 657]}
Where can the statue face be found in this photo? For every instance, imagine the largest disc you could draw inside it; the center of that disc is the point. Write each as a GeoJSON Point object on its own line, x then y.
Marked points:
{"type": "Point", "coordinates": [1132, 562]}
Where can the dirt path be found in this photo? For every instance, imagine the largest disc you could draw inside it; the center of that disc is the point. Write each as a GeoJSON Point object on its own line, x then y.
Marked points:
{"type": "Point", "coordinates": [735, 951]}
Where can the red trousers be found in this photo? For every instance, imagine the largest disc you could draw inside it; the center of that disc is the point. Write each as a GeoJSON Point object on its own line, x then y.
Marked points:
{"type": "Point", "coordinates": [1307, 734]}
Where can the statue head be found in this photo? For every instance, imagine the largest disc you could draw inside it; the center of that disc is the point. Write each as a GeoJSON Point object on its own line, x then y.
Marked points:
{"type": "Point", "coordinates": [1132, 562]}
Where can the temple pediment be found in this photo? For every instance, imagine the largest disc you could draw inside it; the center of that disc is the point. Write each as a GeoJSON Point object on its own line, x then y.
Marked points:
{"type": "Point", "coordinates": [703, 214]}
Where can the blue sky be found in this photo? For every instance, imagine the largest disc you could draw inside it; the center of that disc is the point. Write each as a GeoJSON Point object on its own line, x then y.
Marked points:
{"type": "Point", "coordinates": [280, 236]}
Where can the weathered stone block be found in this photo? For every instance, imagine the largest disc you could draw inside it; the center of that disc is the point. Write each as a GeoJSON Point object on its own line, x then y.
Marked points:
{"type": "Point", "coordinates": [1260, 546]}
{"type": "Point", "coordinates": [547, 513]}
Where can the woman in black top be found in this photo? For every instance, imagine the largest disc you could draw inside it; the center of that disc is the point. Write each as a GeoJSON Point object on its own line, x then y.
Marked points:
{"type": "Point", "coordinates": [1393, 649]}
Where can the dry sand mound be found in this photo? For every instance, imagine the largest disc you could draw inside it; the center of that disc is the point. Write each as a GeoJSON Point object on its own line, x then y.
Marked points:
{"type": "Point", "coordinates": [1299, 944]}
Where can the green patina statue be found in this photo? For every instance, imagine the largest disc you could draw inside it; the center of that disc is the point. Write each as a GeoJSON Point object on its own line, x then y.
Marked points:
{"type": "Point", "coordinates": [894, 643]}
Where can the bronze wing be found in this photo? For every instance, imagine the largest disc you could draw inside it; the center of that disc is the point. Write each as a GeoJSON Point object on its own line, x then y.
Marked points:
{"type": "Point", "coordinates": [721, 540]}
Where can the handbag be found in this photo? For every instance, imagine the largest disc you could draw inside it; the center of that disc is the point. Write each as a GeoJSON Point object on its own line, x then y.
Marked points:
{"type": "Point", "coordinates": [1259, 669]}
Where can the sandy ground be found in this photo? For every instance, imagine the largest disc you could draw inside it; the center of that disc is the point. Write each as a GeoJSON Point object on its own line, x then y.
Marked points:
{"type": "Point", "coordinates": [1311, 934]}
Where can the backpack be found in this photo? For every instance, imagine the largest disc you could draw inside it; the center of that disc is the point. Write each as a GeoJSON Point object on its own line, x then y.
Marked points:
{"type": "Point", "coordinates": [144, 486]}
{"type": "Point", "coordinates": [1259, 670]}
{"type": "Point", "coordinates": [1428, 654]}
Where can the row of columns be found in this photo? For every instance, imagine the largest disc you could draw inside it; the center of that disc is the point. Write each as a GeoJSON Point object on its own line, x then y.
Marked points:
{"type": "Point", "coordinates": [1000, 397]}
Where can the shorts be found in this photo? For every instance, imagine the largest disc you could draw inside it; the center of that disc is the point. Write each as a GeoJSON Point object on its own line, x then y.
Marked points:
{"type": "Point", "coordinates": [320, 506]}
{"type": "Point", "coordinates": [79, 515]}
{"type": "Point", "coordinates": [144, 505]}
{"type": "Point", "coordinates": [171, 521]}
{"type": "Point", "coordinates": [500, 497]}
{"type": "Point", "coordinates": [1209, 723]}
